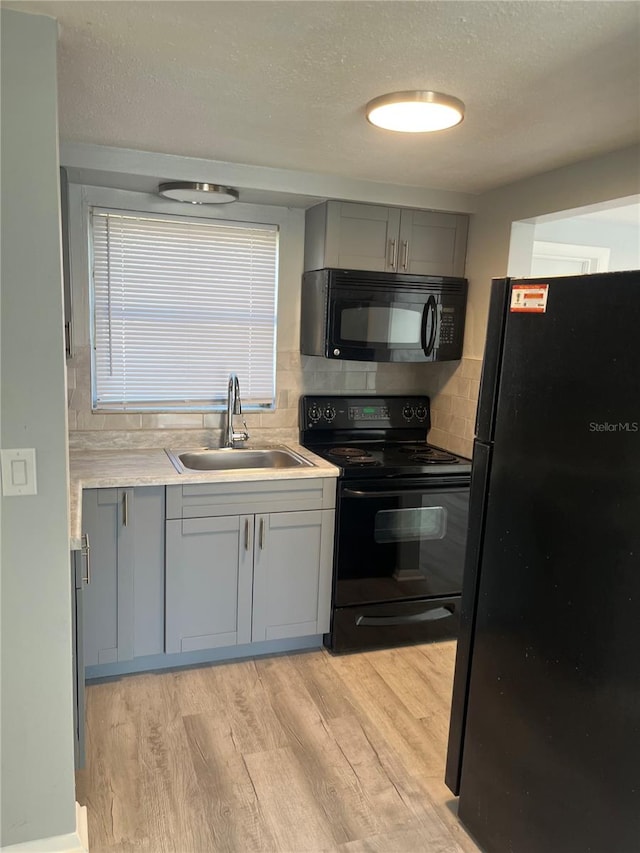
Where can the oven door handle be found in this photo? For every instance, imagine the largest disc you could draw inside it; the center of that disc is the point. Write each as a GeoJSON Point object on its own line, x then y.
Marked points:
{"type": "Point", "coordinates": [424, 616]}
{"type": "Point", "coordinates": [425, 487]}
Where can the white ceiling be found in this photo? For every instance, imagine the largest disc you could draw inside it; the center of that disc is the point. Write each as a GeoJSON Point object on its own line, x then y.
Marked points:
{"type": "Point", "coordinates": [284, 84]}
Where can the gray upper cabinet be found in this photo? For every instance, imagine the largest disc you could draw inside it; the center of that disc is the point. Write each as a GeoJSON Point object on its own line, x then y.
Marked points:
{"type": "Point", "coordinates": [123, 601]}
{"type": "Point", "coordinates": [385, 239]}
{"type": "Point", "coordinates": [432, 243]}
{"type": "Point", "coordinates": [351, 236]}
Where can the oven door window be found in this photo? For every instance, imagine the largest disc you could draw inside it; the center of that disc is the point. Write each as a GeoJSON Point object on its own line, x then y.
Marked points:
{"type": "Point", "coordinates": [410, 525]}
{"type": "Point", "coordinates": [400, 544]}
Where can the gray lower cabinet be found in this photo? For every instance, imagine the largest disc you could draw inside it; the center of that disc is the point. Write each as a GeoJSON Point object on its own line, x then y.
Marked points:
{"type": "Point", "coordinates": [185, 569]}
{"type": "Point", "coordinates": [254, 576]}
{"type": "Point", "coordinates": [209, 578]}
{"type": "Point", "coordinates": [247, 578]}
{"type": "Point", "coordinates": [293, 558]}
{"type": "Point", "coordinates": [123, 601]}
{"type": "Point", "coordinates": [385, 239]}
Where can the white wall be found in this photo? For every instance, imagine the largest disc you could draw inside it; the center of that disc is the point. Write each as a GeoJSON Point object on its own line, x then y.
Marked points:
{"type": "Point", "coordinates": [621, 238]}
{"type": "Point", "coordinates": [610, 176]}
{"type": "Point", "coordinates": [37, 794]}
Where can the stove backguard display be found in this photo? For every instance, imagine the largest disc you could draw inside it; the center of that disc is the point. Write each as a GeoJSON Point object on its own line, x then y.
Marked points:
{"type": "Point", "coordinates": [368, 413]}
{"type": "Point", "coordinates": [324, 413]}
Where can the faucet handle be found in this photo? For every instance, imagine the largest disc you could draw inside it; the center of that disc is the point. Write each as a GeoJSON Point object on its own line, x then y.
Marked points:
{"type": "Point", "coordinates": [241, 436]}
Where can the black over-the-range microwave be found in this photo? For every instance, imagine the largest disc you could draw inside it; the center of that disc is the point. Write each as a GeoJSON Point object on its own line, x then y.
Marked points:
{"type": "Point", "coordinates": [378, 316]}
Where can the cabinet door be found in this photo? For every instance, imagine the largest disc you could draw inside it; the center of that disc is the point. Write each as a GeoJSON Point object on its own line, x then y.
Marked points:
{"type": "Point", "coordinates": [292, 574]}
{"type": "Point", "coordinates": [103, 641]}
{"type": "Point", "coordinates": [362, 236]}
{"type": "Point", "coordinates": [432, 243]}
{"type": "Point", "coordinates": [208, 582]}
{"type": "Point", "coordinates": [124, 601]}
{"type": "Point", "coordinates": [142, 545]}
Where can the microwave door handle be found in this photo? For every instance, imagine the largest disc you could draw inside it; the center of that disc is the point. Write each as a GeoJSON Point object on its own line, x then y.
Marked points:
{"type": "Point", "coordinates": [423, 328]}
{"type": "Point", "coordinates": [430, 310]}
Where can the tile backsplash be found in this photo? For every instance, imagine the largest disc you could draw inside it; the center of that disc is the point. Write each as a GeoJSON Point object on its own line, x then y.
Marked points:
{"type": "Point", "coordinates": [453, 408]}
{"type": "Point", "coordinates": [452, 386]}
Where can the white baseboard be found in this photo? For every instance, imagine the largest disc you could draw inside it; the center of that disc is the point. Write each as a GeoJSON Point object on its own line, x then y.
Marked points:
{"type": "Point", "coordinates": [54, 844]}
{"type": "Point", "coordinates": [82, 830]}
{"type": "Point", "coordinates": [74, 842]}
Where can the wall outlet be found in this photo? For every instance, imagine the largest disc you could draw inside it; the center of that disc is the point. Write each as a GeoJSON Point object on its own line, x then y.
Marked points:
{"type": "Point", "coordinates": [18, 472]}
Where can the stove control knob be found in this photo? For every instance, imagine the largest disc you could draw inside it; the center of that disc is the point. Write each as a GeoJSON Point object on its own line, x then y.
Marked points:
{"type": "Point", "coordinates": [421, 412]}
{"type": "Point", "coordinates": [314, 413]}
{"type": "Point", "coordinates": [407, 412]}
{"type": "Point", "coordinates": [329, 413]}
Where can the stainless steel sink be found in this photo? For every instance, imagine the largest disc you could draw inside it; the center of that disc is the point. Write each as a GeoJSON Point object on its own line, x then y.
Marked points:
{"type": "Point", "coordinates": [232, 459]}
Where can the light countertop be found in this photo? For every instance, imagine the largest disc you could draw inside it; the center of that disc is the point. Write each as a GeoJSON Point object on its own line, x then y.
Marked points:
{"type": "Point", "coordinates": [95, 469]}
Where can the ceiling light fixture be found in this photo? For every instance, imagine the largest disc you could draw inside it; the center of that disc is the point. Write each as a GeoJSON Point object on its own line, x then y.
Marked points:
{"type": "Point", "coordinates": [197, 193]}
{"type": "Point", "coordinates": [415, 112]}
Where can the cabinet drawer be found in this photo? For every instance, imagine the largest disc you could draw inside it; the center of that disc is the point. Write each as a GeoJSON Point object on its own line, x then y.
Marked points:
{"type": "Point", "coordinates": [201, 500]}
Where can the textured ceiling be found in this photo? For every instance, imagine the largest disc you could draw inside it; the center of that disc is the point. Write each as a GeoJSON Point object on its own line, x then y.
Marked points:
{"type": "Point", "coordinates": [284, 84]}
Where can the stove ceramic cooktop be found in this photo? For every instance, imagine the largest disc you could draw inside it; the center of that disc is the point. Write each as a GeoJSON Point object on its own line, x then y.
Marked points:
{"type": "Point", "coordinates": [393, 459]}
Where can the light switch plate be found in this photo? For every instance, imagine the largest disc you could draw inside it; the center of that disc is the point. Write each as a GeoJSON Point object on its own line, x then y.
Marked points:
{"type": "Point", "coordinates": [19, 471]}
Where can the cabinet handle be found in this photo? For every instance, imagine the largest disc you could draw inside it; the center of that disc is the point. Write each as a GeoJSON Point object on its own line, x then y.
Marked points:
{"type": "Point", "coordinates": [261, 534]}
{"type": "Point", "coordinates": [392, 254]}
{"type": "Point", "coordinates": [246, 534]}
{"type": "Point", "coordinates": [405, 254]}
{"type": "Point", "coordinates": [125, 509]}
{"type": "Point", "coordinates": [86, 548]}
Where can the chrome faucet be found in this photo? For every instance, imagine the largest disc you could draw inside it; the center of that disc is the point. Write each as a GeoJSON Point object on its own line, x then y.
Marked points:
{"type": "Point", "coordinates": [234, 407]}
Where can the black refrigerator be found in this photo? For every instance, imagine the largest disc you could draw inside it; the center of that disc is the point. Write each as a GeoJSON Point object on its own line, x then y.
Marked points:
{"type": "Point", "coordinates": [544, 742]}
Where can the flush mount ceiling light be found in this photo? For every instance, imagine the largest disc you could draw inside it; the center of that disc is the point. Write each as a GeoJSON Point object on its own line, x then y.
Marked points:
{"type": "Point", "coordinates": [197, 193]}
{"type": "Point", "coordinates": [415, 112]}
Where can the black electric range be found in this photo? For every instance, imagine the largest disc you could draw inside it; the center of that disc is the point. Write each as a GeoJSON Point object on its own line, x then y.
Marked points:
{"type": "Point", "coordinates": [401, 519]}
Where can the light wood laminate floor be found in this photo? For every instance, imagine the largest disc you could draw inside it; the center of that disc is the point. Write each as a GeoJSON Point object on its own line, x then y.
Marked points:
{"type": "Point", "coordinates": [303, 752]}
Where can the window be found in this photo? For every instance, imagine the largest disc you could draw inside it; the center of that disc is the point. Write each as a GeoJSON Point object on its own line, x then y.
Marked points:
{"type": "Point", "coordinates": [179, 303]}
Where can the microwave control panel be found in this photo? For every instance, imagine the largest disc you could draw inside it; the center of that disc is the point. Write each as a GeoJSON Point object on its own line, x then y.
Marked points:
{"type": "Point", "coordinates": [447, 326]}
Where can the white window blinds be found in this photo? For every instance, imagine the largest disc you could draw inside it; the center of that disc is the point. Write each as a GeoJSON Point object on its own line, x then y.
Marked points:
{"type": "Point", "coordinates": [178, 304]}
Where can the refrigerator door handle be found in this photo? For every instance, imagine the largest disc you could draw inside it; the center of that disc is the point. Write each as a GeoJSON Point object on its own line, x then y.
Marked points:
{"type": "Point", "coordinates": [482, 454]}
{"type": "Point", "coordinates": [430, 312]}
{"type": "Point", "coordinates": [492, 360]}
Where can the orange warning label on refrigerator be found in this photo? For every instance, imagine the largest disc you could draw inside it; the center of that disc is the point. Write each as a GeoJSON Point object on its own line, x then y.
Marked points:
{"type": "Point", "coordinates": [529, 298]}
